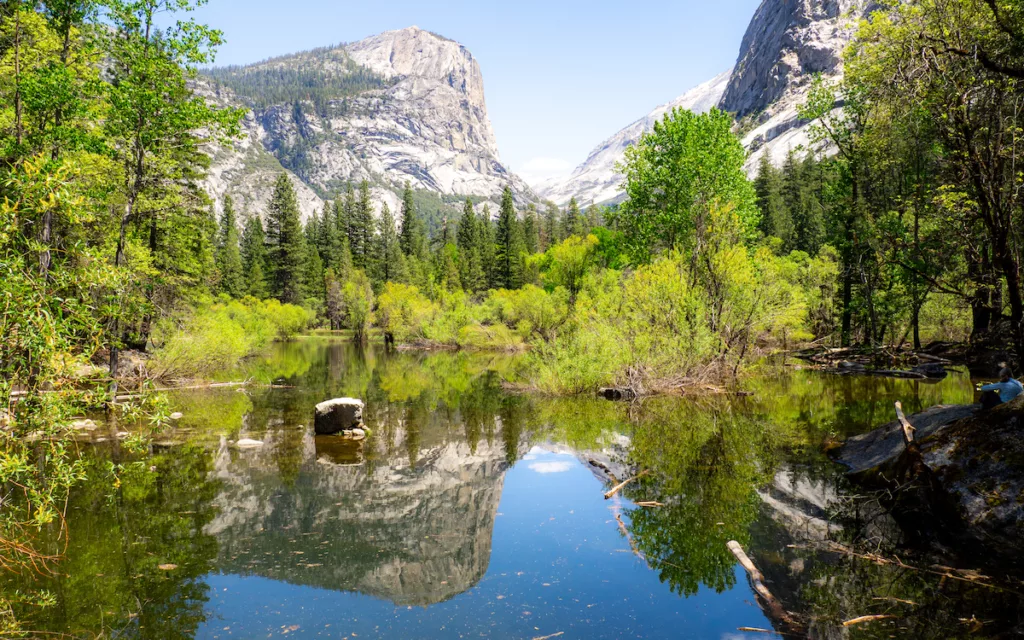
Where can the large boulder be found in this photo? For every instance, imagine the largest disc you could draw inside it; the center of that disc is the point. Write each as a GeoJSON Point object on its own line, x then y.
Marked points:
{"type": "Point", "coordinates": [338, 415]}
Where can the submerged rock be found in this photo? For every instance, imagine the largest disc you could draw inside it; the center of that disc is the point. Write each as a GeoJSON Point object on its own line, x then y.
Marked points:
{"type": "Point", "coordinates": [338, 415]}
{"type": "Point", "coordinates": [248, 443]}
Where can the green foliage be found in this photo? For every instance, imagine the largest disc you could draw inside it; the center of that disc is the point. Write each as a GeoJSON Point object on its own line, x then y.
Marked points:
{"type": "Point", "coordinates": [508, 242]}
{"type": "Point", "coordinates": [388, 262]}
{"type": "Point", "coordinates": [215, 336]}
{"type": "Point", "coordinates": [286, 242]}
{"type": "Point", "coordinates": [356, 308]}
{"type": "Point", "coordinates": [567, 263]}
{"type": "Point", "coordinates": [403, 312]}
{"type": "Point", "coordinates": [675, 175]}
{"type": "Point", "coordinates": [320, 76]}
{"type": "Point", "coordinates": [254, 259]}
{"type": "Point", "coordinates": [229, 257]}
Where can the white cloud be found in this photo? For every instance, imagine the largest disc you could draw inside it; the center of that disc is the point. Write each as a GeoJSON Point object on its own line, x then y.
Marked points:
{"type": "Point", "coordinates": [541, 169]}
{"type": "Point", "coordinates": [550, 467]}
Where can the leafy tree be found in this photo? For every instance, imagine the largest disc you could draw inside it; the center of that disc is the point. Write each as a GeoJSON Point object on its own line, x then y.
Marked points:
{"type": "Point", "coordinates": [286, 242]}
{"type": "Point", "coordinates": [229, 257]}
{"type": "Point", "coordinates": [357, 304]}
{"type": "Point", "coordinates": [153, 115]}
{"type": "Point", "coordinates": [674, 175]}
{"type": "Point", "coordinates": [508, 263]}
{"type": "Point", "coordinates": [568, 262]}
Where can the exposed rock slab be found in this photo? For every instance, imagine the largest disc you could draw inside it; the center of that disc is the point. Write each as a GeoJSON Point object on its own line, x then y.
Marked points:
{"type": "Point", "coordinates": [876, 449]}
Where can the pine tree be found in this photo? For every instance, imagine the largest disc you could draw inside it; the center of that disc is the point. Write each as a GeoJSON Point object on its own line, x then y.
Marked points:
{"type": "Point", "coordinates": [388, 261]}
{"type": "Point", "coordinates": [312, 274]}
{"type": "Point", "coordinates": [254, 258]}
{"type": "Point", "coordinates": [572, 223]}
{"type": "Point", "coordinates": [485, 246]}
{"type": "Point", "coordinates": [412, 235]}
{"type": "Point", "coordinates": [776, 217]}
{"type": "Point", "coordinates": [550, 232]}
{"type": "Point", "coordinates": [508, 241]}
{"type": "Point", "coordinates": [531, 230]}
{"type": "Point", "coordinates": [286, 241]}
{"type": "Point", "coordinates": [229, 257]}
{"type": "Point", "coordinates": [361, 228]}
{"type": "Point", "coordinates": [801, 184]}
{"type": "Point", "coordinates": [471, 273]}
{"type": "Point", "coordinates": [592, 216]}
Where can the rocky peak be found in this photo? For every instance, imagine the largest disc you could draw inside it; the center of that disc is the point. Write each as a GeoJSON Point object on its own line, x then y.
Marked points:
{"type": "Point", "coordinates": [787, 42]}
{"type": "Point", "coordinates": [415, 52]}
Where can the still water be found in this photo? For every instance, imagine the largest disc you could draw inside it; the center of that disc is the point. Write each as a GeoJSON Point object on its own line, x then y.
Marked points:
{"type": "Point", "coordinates": [474, 512]}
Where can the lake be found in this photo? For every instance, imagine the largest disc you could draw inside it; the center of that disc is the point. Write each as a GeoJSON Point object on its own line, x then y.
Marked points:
{"type": "Point", "coordinates": [476, 512]}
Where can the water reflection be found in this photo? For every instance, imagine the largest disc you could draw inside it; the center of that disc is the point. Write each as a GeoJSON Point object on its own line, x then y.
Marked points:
{"type": "Point", "coordinates": [439, 509]}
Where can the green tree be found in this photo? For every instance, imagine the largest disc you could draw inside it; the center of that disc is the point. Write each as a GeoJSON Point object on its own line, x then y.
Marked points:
{"type": "Point", "coordinates": [361, 227]}
{"type": "Point", "coordinates": [572, 222]}
{"type": "Point", "coordinates": [254, 258]}
{"type": "Point", "coordinates": [153, 117]}
{"type": "Point", "coordinates": [286, 242]}
{"type": "Point", "coordinates": [508, 242]}
{"type": "Point", "coordinates": [471, 272]}
{"type": "Point", "coordinates": [531, 230]}
{"type": "Point", "coordinates": [776, 216]}
{"type": "Point", "coordinates": [412, 236]}
{"type": "Point", "coordinates": [229, 257]}
{"type": "Point", "coordinates": [388, 260]}
{"type": "Point", "coordinates": [485, 246]}
{"type": "Point", "coordinates": [674, 175]}
{"type": "Point", "coordinates": [550, 230]}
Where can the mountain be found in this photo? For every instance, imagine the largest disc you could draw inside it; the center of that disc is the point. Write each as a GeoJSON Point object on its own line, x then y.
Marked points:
{"type": "Point", "coordinates": [402, 106]}
{"type": "Point", "coordinates": [596, 179]}
{"type": "Point", "coordinates": [414, 534]}
{"type": "Point", "coordinates": [786, 44]}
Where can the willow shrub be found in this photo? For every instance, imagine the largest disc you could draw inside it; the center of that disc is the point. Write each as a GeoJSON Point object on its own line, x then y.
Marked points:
{"type": "Point", "coordinates": [217, 335]}
{"type": "Point", "coordinates": [679, 317]}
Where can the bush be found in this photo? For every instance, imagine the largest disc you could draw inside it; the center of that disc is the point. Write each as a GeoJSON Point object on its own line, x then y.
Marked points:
{"type": "Point", "coordinates": [217, 335]}
{"type": "Point", "coordinates": [403, 312]}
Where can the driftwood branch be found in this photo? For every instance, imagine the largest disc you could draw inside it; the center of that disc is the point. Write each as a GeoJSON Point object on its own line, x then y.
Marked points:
{"type": "Point", "coordinates": [773, 608]}
{"type": "Point", "coordinates": [611, 492]}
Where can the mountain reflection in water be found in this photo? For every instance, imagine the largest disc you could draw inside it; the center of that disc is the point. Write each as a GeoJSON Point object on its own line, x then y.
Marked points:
{"type": "Point", "coordinates": [472, 511]}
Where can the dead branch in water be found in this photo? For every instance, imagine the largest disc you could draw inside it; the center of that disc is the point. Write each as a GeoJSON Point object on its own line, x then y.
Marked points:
{"type": "Point", "coordinates": [773, 608]}
{"type": "Point", "coordinates": [858, 620]}
{"type": "Point", "coordinates": [629, 538]}
{"type": "Point", "coordinates": [611, 492]}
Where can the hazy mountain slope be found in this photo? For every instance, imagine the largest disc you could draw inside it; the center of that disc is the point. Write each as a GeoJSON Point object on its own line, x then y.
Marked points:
{"type": "Point", "coordinates": [596, 179]}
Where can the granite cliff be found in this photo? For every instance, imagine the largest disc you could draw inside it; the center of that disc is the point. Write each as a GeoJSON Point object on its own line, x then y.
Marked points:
{"type": "Point", "coordinates": [787, 43]}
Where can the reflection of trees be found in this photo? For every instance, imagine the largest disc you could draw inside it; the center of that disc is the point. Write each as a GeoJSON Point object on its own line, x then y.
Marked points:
{"type": "Point", "coordinates": [706, 463]}
{"type": "Point", "coordinates": [110, 581]}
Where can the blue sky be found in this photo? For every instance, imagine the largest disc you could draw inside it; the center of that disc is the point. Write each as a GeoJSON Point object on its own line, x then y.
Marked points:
{"type": "Point", "coordinates": [560, 75]}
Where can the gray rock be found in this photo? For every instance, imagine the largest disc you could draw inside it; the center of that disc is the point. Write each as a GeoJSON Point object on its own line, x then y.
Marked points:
{"type": "Point", "coordinates": [338, 415]}
{"type": "Point", "coordinates": [877, 449]}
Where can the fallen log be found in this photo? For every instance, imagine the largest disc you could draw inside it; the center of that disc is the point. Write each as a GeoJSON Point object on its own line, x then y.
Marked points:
{"type": "Point", "coordinates": [773, 608]}
{"type": "Point", "coordinates": [611, 492]}
{"type": "Point", "coordinates": [860, 619]}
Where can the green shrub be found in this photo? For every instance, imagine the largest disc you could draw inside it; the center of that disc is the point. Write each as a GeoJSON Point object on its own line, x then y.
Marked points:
{"type": "Point", "coordinates": [403, 312]}
{"type": "Point", "coordinates": [217, 335]}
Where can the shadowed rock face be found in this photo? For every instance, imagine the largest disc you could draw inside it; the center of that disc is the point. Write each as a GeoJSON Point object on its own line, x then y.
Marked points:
{"type": "Point", "coordinates": [414, 535]}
